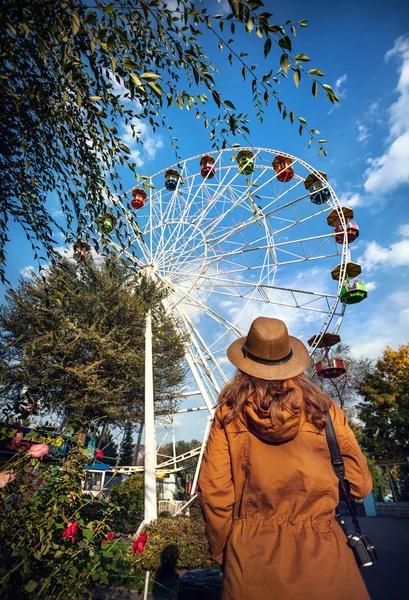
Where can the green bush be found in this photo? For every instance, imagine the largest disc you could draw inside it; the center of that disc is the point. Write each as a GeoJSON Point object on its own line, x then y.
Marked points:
{"type": "Point", "coordinates": [178, 543]}
{"type": "Point", "coordinates": [129, 495]}
{"type": "Point", "coordinates": [164, 514]}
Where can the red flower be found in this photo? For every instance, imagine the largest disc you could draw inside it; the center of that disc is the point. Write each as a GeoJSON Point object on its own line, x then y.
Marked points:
{"type": "Point", "coordinates": [110, 536]}
{"type": "Point", "coordinates": [103, 542]}
{"type": "Point", "coordinates": [139, 544]}
{"type": "Point", "coordinates": [99, 454]}
{"type": "Point", "coordinates": [70, 531]}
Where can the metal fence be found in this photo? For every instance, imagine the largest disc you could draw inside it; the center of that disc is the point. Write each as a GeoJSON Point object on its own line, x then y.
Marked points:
{"type": "Point", "coordinates": [171, 506]}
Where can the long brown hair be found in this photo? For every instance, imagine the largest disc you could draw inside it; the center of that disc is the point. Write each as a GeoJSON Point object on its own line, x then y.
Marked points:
{"type": "Point", "coordinates": [274, 397]}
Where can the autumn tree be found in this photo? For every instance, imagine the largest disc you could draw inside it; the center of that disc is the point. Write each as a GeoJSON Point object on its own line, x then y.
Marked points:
{"type": "Point", "coordinates": [78, 339]}
{"type": "Point", "coordinates": [61, 115]}
{"type": "Point", "coordinates": [385, 406]}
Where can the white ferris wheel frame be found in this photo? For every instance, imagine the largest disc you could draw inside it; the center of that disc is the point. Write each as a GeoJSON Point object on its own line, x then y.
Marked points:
{"type": "Point", "coordinates": [200, 359]}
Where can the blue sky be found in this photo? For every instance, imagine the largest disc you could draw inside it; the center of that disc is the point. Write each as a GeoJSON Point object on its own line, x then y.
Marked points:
{"type": "Point", "coordinates": [363, 47]}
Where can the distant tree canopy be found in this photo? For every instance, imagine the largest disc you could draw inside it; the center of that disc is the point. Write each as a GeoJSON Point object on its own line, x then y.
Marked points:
{"type": "Point", "coordinates": [78, 340]}
{"type": "Point", "coordinates": [62, 114]}
{"type": "Point", "coordinates": [166, 451]}
{"type": "Point", "coordinates": [385, 406]}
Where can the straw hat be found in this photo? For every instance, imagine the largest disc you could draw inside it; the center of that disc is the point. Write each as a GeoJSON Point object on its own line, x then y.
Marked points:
{"type": "Point", "coordinates": [269, 352]}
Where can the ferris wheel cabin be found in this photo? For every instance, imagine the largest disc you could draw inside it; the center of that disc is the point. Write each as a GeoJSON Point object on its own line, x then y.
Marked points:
{"type": "Point", "coordinates": [282, 165]}
{"type": "Point", "coordinates": [107, 223]}
{"type": "Point", "coordinates": [352, 292]}
{"type": "Point", "coordinates": [207, 168]}
{"type": "Point", "coordinates": [328, 367]}
{"type": "Point", "coordinates": [81, 250]}
{"type": "Point", "coordinates": [352, 229]}
{"type": "Point", "coordinates": [138, 198]}
{"type": "Point", "coordinates": [171, 179]}
{"type": "Point", "coordinates": [319, 192]}
{"type": "Point", "coordinates": [245, 158]}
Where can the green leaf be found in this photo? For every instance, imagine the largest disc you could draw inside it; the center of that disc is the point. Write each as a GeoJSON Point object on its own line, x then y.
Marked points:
{"type": "Point", "coordinates": [79, 99]}
{"type": "Point", "coordinates": [75, 24]}
{"type": "Point", "coordinates": [156, 88]}
{"type": "Point", "coordinates": [297, 77]}
{"type": "Point", "coordinates": [293, 30]}
{"type": "Point", "coordinates": [235, 6]}
{"type": "Point", "coordinates": [216, 98]}
{"type": "Point", "coordinates": [95, 98]}
{"type": "Point", "coordinates": [230, 104]}
{"type": "Point", "coordinates": [303, 23]}
{"type": "Point", "coordinates": [11, 28]}
{"type": "Point", "coordinates": [129, 64]}
{"type": "Point", "coordinates": [316, 72]}
{"type": "Point", "coordinates": [302, 120]}
{"type": "Point", "coordinates": [323, 141]}
{"type": "Point", "coordinates": [108, 8]}
{"type": "Point", "coordinates": [267, 47]}
{"type": "Point", "coordinates": [259, 32]}
{"type": "Point", "coordinates": [314, 89]}
{"type": "Point", "coordinates": [291, 117]}
{"type": "Point", "coordinates": [250, 25]}
{"type": "Point", "coordinates": [302, 57]}
{"type": "Point", "coordinates": [136, 80]}
{"type": "Point", "coordinates": [87, 533]}
{"type": "Point", "coordinates": [113, 63]}
{"type": "Point", "coordinates": [149, 76]}
{"type": "Point", "coordinates": [30, 586]}
{"type": "Point", "coordinates": [284, 62]}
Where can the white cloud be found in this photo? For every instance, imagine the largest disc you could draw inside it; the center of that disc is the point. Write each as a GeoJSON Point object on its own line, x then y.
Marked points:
{"type": "Point", "coordinates": [148, 145]}
{"type": "Point", "coordinates": [340, 91]}
{"type": "Point", "coordinates": [396, 255]}
{"type": "Point", "coordinates": [350, 199]}
{"type": "Point", "coordinates": [403, 230]}
{"type": "Point", "coordinates": [379, 330]}
{"type": "Point", "coordinates": [371, 285]}
{"type": "Point", "coordinates": [28, 272]}
{"type": "Point", "coordinates": [391, 169]}
{"type": "Point", "coordinates": [363, 132]}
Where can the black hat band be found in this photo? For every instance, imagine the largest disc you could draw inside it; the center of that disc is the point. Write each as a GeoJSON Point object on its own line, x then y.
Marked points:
{"type": "Point", "coordinates": [265, 361]}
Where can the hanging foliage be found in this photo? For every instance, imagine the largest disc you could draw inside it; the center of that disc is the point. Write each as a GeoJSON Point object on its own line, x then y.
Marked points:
{"type": "Point", "coordinates": [73, 75]}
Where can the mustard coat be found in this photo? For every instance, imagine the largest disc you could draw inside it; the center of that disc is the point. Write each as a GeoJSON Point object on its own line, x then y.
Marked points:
{"type": "Point", "coordinates": [268, 496]}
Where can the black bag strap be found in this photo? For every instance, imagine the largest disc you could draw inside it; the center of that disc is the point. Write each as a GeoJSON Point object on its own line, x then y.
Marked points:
{"type": "Point", "coordinates": [339, 468]}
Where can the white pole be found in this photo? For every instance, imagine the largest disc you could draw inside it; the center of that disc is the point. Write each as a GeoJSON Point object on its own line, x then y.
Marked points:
{"type": "Point", "coordinates": [145, 591]}
{"type": "Point", "coordinates": [173, 443]}
{"type": "Point", "coordinates": [150, 511]}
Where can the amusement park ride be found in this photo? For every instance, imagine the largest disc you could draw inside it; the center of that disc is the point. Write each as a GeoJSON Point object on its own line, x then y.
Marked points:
{"type": "Point", "coordinates": [231, 235]}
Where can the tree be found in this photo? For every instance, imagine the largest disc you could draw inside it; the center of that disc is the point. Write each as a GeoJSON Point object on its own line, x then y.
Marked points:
{"type": "Point", "coordinates": [343, 389]}
{"type": "Point", "coordinates": [79, 347]}
{"type": "Point", "coordinates": [181, 447]}
{"type": "Point", "coordinates": [109, 446]}
{"type": "Point", "coordinates": [127, 447]}
{"type": "Point", "coordinates": [385, 406]}
{"type": "Point", "coordinates": [61, 114]}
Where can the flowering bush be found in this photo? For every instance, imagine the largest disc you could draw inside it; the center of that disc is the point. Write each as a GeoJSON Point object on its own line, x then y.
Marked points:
{"type": "Point", "coordinates": [51, 546]}
{"type": "Point", "coordinates": [179, 543]}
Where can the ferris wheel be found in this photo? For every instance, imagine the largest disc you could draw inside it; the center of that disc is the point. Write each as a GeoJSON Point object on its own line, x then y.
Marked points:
{"type": "Point", "coordinates": [240, 233]}
{"type": "Point", "coordinates": [236, 234]}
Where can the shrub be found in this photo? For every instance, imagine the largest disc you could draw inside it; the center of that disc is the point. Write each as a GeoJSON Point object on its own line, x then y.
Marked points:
{"type": "Point", "coordinates": [53, 540]}
{"type": "Point", "coordinates": [129, 495]}
{"type": "Point", "coordinates": [179, 543]}
{"type": "Point", "coordinates": [164, 514]}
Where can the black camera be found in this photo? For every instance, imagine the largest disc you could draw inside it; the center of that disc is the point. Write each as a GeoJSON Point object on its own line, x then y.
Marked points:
{"type": "Point", "coordinates": [363, 549]}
